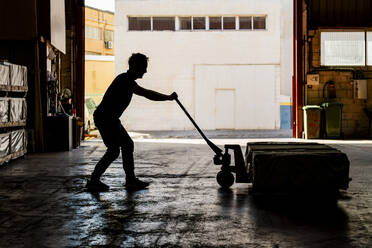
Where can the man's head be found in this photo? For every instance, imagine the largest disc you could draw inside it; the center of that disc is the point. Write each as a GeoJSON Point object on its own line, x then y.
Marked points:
{"type": "Point", "coordinates": [138, 64]}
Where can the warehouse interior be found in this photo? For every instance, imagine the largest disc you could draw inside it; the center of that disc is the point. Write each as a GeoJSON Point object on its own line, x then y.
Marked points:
{"type": "Point", "coordinates": [49, 42]}
{"type": "Point", "coordinates": [38, 44]}
{"type": "Point", "coordinates": [46, 161]}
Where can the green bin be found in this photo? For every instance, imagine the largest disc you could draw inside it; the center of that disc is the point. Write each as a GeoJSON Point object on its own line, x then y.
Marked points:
{"type": "Point", "coordinates": [332, 119]}
{"type": "Point", "coordinates": [312, 121]}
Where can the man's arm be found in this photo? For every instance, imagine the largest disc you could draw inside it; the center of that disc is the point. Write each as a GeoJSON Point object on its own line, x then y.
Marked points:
{"type": "Point", "coordinates": [153, 95]}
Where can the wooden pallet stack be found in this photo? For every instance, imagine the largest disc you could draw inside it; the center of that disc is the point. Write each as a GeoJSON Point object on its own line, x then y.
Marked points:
{"type": "Point", "coordinates": [13, 111]}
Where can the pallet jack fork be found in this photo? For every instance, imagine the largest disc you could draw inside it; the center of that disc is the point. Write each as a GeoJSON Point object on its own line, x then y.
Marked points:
{"type": "Point", "coordinates": [225, 178]}
{"type": "Point", "coordinates": [240, 170]}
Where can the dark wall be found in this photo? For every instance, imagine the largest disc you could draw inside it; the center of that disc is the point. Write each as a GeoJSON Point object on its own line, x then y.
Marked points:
{"type": "Point", "coordinates": [339, 13]}
{"type": "Point", "coordinates": [17, 18]}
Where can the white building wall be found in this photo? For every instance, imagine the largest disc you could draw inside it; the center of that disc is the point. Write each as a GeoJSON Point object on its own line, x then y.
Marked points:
{"type": "Point", "coordinates": [175, 55]}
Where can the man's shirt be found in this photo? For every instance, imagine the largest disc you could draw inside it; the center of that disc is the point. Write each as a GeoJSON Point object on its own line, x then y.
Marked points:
{"type": "Point", "coordinates": [117, 97]}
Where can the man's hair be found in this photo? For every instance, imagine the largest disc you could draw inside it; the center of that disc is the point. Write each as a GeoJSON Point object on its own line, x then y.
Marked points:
{"type": "Point", "coordinates": [137, 58]}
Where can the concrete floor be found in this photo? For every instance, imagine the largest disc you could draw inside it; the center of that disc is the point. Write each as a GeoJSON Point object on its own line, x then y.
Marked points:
{"type": "Point", "coordinates": [44, 203]}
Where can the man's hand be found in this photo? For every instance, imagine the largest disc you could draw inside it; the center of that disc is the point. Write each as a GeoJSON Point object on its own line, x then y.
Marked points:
{"type": "Point", "coordinates": [173, 96]}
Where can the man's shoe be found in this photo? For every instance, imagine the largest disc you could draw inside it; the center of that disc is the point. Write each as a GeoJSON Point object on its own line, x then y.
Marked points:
{"type": "Point", "coordinates": [97, 186]}
{"type": "Point", "coordinates": [136, 184]}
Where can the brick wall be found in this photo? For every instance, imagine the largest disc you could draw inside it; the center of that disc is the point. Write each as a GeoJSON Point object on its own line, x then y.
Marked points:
{"type": "Point", "coordinates": [354, 120]}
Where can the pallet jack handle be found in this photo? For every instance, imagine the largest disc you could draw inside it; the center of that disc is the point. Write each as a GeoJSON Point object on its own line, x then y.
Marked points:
{"type": "Point", "coordinates": [215, 148]}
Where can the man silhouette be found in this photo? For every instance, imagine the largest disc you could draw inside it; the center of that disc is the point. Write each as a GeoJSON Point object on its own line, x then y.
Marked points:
{"type": "Point", "coordinates": [106, 119]}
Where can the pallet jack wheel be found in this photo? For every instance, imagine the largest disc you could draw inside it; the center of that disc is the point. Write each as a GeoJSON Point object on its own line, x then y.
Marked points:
{"type": "Point", "coordinates": [225, 179]}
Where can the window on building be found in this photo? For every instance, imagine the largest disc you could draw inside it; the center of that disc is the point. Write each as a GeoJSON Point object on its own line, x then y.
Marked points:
{"type": "Point", "coordinates": [163, 23]}
{"type": "Point", "coordinates": [109, 35]}
{"type": "Point", "coordinates": [228, 23]}
{"type": "Point", "coordinates": [245, 22]}
{"type": "Point", "coordinates": [259, 22]}
{"type": "Point", "coordinates": [369, 48]}
{"type": "Point", "coordinates": [194, 23]}
{"type": "Point", "coordinates": [93, 33]}
{"type": "Point", "coordinates": [342, 48]}
{"type": "Point", "coordinates": [215, 23]}
{"type": "Point", "coordinates": [139, 23]}
{"type": "Point", "coordinates": [198, 23]}
{"type": "Point", "coordinates": [185, 23]}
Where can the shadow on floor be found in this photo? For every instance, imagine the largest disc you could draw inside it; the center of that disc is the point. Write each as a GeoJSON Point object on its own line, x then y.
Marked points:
{"type": "Point", "coordinates": [317, 218]}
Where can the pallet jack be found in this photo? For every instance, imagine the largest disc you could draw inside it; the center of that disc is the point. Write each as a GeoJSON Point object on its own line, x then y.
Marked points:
{"type": "Point", "coordinates": [225, 178]}
{"type": "Point", "coordinates": [280, 167]}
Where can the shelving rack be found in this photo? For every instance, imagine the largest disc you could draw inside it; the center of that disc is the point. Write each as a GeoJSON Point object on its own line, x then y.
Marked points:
{"type": "Point", "coordinates": [13, 111]}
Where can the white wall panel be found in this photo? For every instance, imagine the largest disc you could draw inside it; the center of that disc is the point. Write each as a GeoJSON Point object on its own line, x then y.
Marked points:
{"type": "Point", "coordinates": [225, 108]}
{"type": "Point", "coordinates": [256, 97]}
{"type": "Point", "coordinates": [58, 24]}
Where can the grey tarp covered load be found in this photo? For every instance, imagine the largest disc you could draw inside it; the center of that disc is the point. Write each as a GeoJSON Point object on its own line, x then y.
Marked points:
{"type": "Point", "coordinates": [18, 141]}
{"type": "Point", "coordinates": [18, 111]}
{"type": "Point", "coordinates": [296, 167]}
{"type": "Point", "coordinates": [4, 75]}
{"type": "Point", "coordinates": [18, 75]}
{"type": "Point", "coordinates": [4, 144]}
{"type": "Point", "coordinates": [4, 110]}
{"type": "Point", "coordinates": [278, 146]}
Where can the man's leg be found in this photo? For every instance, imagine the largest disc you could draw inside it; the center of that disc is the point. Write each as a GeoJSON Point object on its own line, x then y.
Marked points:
{"type": "Point", "coordinates": [110, 131]}
{"type": "Point", "coordinates": [111, 154]}
{"type": "Point", "coordinates": [131, 182]}
{"type": "Point", "coordinates": [127, 150]}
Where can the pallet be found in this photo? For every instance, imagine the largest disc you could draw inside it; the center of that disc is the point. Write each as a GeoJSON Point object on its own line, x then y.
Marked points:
{"type": "Point", "coordinates": [12, 124]}
{"type": "Point", "coordinates": [9, 88]}
{"type": "Point", "coordinates": [11, 156]}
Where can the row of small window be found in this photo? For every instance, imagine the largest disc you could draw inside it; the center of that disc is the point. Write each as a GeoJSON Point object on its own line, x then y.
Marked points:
{"type": "Point", "coordinates": [196, 23]}
{"type": "Point", "coordinates": [96, 33]}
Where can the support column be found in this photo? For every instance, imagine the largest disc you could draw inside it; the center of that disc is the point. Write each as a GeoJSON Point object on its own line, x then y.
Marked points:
{"type": "Point", "coordinates": [297, 69]}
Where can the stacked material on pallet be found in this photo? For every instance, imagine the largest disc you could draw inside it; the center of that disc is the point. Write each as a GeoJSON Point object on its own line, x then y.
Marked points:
{"type": "Point", "coordinates": [4, 75]}
{"type": "Point", "coordinates": [18, 111]}
{"type": "Point", "coordinates": [4, 144]}
{"type": "Point", "coordinates": [4, 110]}
{"type": "Point", "coordinates": [12, 145]}
{"type": "Point", "coordinates": [17, 141]}
{"type": "Point", "coordinates": [13, 111]}
{"type": "Point", "coordinates": [18, 75]}
{"type": "Point", "coordinates": [13, 76]}
{"type": "Point", "coordinates": [287, 168]}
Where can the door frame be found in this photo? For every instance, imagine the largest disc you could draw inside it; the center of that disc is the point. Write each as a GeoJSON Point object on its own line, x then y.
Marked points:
{"type": "Point", "coordinates": [215, 109]}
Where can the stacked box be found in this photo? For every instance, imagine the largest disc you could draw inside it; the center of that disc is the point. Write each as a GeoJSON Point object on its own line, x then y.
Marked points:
{"type": "Point", "coordinates": [17, 141]}
{"type": "Point", "coordinates": [13, 111]}
{"type": "Point", "coordinates": [18, 110]}
{"type": "Point", "coordinates": [4, 145]}
{"type": "Point", "coordinates": [4, 110]}
{"type": "Point", "coordinates": [278, 146]}
{"type": "Point", "coordinates": [297, 169]}
{"type": "Point", "coordinates": [18, 75]}
{"type": "Point", "coordinates": [4, 75]}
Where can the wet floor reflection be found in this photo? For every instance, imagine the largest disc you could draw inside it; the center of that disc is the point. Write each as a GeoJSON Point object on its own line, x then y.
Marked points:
{"type": "Point", "coordinates": [299, 218]}
{"type": "Point", "coordinates": [118, 208]}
